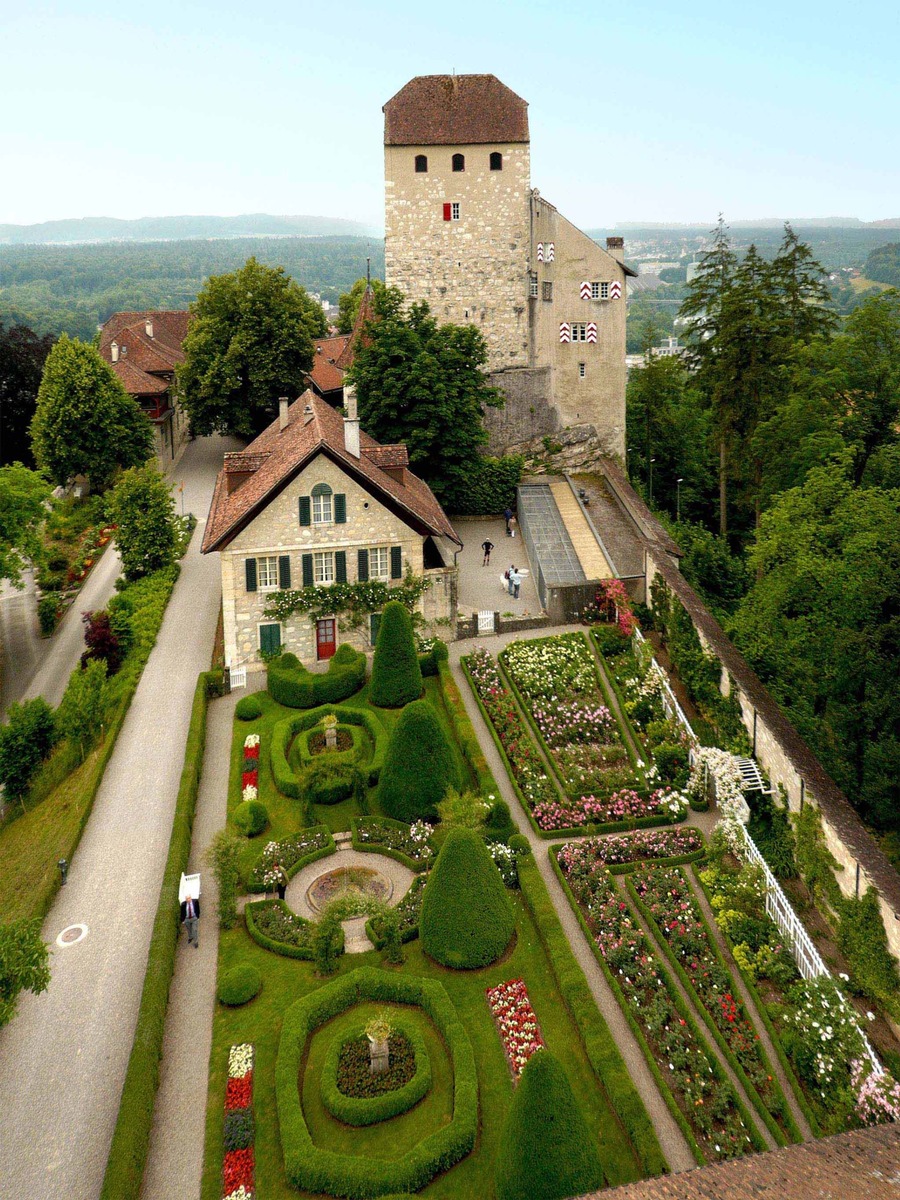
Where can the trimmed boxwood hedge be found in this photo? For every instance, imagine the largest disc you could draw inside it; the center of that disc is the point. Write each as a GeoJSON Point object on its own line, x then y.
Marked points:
{"type": "Point", "coordinates": [285, 949]}
{"type": "Point", "coordinates": [467, 919]}
{"type": "Point", "coordinates": [419, 767]}
{"type": "Point", "coordinates": [396, 674]}
{"type": "Point", "coordinates": [248, 708]}
{"type": "Point", "coordinates": [239, 985]}
{"type": "Point", "coordinates": [292, 685]}
{"type": "Point", "coordinates": [547, 1149]}
{"type": "Point", "coordinates": [329, 782]}
{"type": "Point", "coordinates": [369, 1110]}
{"type": "Point", "coordinates": [313, 1169]}
{"type": "Point", "coordinates": [301, 752]}
{"type": "Point", "coordinates": [286, 779]}
{"type": "Point", "coordinates": [251, 817]}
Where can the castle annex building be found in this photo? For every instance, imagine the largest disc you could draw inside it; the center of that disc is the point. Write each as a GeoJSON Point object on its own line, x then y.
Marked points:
{"type": "Point", "coordinates": [466, 232]}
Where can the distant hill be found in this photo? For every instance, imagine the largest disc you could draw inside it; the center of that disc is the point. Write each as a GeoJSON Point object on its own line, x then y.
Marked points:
{"type": "Point", "coordinates": [153, 229]}
{"type": "Point", "coordinates": [883, 264]}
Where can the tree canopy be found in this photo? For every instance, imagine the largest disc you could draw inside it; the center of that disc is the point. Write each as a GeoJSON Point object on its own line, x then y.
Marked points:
{"type": "Point", "coordinates": [23, 494]}
{"type": "Point", "coordinates": [85, 422]}
{"type": "Point", "coordinates": [424, 384]}
{"type": "Point", "coordinates": [24, 964]}
{"type": "Point", "coordinates": [142, 506]}
{"type": "Point", "coordinates": [349, 302]}
{"type": "Point", "coordinates": [250, 342]}
{"type": "Point", "coordinates": [22, 357]}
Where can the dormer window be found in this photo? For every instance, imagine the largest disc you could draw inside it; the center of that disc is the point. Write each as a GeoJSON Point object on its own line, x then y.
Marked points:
{"type": "Point", "coordinates": [421, 164]}
{"type": "Point", "coordinates": [459, 162]}
{"type": "Point", "coordinates": [496, 160]}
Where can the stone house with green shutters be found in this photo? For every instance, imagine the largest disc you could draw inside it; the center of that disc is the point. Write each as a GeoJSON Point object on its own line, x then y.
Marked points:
{"type": "Point", "coordinates": [314, 501]}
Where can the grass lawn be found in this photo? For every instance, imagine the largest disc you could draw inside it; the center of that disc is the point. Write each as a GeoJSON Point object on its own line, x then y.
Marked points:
{"type": "Point", "coordinates": [285, 980]}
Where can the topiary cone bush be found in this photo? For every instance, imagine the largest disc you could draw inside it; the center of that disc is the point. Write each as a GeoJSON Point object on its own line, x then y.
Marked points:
{"type": "Point", "coordinates": [467, 919]}
{"type": "Point", "coordinates": [547, 1151]}
{"type": "Point", "coordinates": [396, 674]}
{"type": "Point", "coordinates": [419, 766]}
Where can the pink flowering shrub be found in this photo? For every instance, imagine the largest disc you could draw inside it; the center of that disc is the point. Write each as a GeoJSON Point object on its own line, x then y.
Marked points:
{"type": "Point", "coordinates": [625, 805]}
{"type": "Point", "coordinates": [578, 857]}
{"type": "Point", "coordinates": [877, 1096]}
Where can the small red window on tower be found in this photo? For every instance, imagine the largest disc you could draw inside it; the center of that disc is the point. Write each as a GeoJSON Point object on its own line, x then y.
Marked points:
{"type": "Point", "coordinates": [447, 212]}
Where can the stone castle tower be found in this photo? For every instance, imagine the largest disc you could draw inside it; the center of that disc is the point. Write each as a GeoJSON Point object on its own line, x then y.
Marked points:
{"type": "Point", "coordinates": [465, 231]}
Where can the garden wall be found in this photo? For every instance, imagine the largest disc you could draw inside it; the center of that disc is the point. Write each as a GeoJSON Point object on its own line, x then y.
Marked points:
{"type": "Point", "coordinates": [777, 746]}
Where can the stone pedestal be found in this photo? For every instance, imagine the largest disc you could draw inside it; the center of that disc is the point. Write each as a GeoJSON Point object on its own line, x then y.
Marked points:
{"type": "Point", "coordinates": [379, 1056]}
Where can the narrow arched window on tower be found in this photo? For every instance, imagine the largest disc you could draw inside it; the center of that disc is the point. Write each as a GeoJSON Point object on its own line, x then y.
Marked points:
{"type": "Point", "coordinates": [421, 164]}
{"type": "Point", "coordinates": [459, 162]}
{"type": "Point", "coordinates": [496, 160]}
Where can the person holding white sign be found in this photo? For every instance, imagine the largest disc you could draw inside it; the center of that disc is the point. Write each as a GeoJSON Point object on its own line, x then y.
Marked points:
{"type": "Point", "coordinates": [190, 918]}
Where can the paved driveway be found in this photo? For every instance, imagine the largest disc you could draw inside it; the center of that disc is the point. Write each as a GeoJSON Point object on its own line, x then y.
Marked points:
{"type": "Point", "coordinates": [63, 1058]}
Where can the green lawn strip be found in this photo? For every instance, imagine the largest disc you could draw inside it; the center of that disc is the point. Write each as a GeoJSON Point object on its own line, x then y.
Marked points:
{"type": "Point", "coordinates": [787, 1130]}
{"type": "Point", "coordinates": [465, 732]}
{"type": "Point", "coordinates": [599, 1045]}
{"type": "Point", "coordinates": [762, 1008]}
{"type": "Point", "coordinates": [32, 844]}
{"type": "Point", "coordinates": [131, 1137]}
{"type": "Point", "coordinates": [472, 1179]}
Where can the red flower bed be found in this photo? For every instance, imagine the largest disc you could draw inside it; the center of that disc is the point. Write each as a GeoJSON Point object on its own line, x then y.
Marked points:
{"type": "Point", "coordinates": [516, 1021]}
{"type": "Point", "coordinates": [238, 1092]}
{"type": "Point", "coordinates": [249, 779]}
{"type": "Point", "coordinates": [251, 751]}
{"type": "Point", "coordinates": [238, 1170]}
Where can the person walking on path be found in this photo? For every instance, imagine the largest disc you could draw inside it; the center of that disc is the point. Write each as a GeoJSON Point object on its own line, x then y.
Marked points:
{"type": "Point", "coordinates": [509, 578]}
{"type": "Point", "coordinates": [280, 880]}
{"type": "Point", "coordinates": [507, 517]}
{"type": "Point", "coordinates": [190, 918]}
{"type": "Point", "coordinates": [515, 580]}
{"type": "Point", "coordinates": [511, 529]}
{"type": "Point", "coordinates": [487, 546]}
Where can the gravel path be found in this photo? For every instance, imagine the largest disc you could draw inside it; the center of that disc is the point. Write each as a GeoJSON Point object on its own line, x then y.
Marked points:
{"type": "Point", "coordinates": [671, 1139]}
{"type": "Point", "coordinates": [63, 1059]}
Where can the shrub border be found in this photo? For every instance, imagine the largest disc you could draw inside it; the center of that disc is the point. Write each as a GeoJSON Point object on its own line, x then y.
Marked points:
{"type": "Point", "coordinates": [131, 1136]}
{"type": "Point", "coordinates": [311, 1168]}
{"type": "Point", "coordinates": [285, 779]}
{"type": "Point", "coordinates": [313, 856]}
{"type": "Point", "coordinates": [351, 756]}
{"type": "Point", "coordinates": [285, 949]}
{"type": "Point", "coordinates": [387, 851]}
{"type": "Point", "coordinates": [369, 1110]}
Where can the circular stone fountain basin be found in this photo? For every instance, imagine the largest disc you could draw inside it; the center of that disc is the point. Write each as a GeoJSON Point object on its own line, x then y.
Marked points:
{"type": "Point", "coordinates": [343, 882]}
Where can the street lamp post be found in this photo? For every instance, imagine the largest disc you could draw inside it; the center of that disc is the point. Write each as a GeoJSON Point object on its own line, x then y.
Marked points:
{"type": "Point", "coordinates": [678, 482]}
{"type": "Point", "coordinates": [652, 461]}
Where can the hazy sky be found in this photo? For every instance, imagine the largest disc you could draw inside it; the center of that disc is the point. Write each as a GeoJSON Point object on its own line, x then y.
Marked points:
{"type": "Point", "coordinates": [638, 111]}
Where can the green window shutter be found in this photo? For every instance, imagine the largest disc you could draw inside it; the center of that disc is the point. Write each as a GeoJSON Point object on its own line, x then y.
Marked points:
{"type": "Point", "coordinates": [305, 511]}
{"type": "Point", "coordinates": [374, 626]}
{"type": "Point", "coordinates": [340, 566]}
{"type": "Point", "coordinates": [284, 571]}
{"type": "Point", "coordinates": [340, 508]}
{"type": "Point", "coordinates": [250, 572]}
{"type": "Point", "coordinates": [396, 562]}
{"type": "Point", "coordinates": [307, 570]}
{"type": "Point", "coordinates": [269, 638]}
{"type": "Point", "coordinates": [362, 565]}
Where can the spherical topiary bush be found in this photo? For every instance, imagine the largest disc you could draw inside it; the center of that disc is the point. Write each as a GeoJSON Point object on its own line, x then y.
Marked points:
{"type": "Point", "coordinates": [248, 709]}
{"type": "Point", "coordinates": [239, 985]}
{"type": "Point", "coordinates": [419, 766]}
{"type": "Point", "coordinates": [396, 674]}
{"type": "Point", "coordinates": [547, 1151]}
{"type": "Point", "coordinates": [466, 919]}
{"type": "Point", "coordinates": [519, 842]}
{"type": "Point", "coordinates": [251, 817]}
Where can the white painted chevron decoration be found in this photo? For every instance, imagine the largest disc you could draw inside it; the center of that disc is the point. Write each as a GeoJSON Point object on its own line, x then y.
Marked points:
{"type": "Point", "coordinates": [585, 290]}
{"type": "Point", "coordinates": [615, 290]}
{"type": "Point", "coordinates": [550, 252]}
{"type": "Point", "coordinates": [592, 331]}
{"type": "Point", "coordinates": [565, 331]}
{"type": "Point", "coordinates": [540, 251]}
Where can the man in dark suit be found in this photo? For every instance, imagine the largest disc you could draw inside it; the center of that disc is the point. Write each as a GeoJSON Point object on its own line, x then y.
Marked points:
{"type": "Point", "coordinates": [190, 918]}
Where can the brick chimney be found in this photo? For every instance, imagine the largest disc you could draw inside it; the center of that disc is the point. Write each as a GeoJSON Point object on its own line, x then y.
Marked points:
{"type": "Point", "coordinates": [351, 421]}
{"type": "Point", "coordinates": [616, 247]}
{"type": "Point", "coordinates": [114, 351]}
{"type": "Point", "coordinates": [282, 412]}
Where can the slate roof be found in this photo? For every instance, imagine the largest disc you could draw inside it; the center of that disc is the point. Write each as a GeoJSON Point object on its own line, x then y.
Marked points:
{"type": "Point", "coordinates": [282, 454]}
{"type": "Point", "coordinates": [862, 1165]}
{"type": "Point", "coordinates": [455, 110]}
{"type": "Point", "coordinates": [145, 364]}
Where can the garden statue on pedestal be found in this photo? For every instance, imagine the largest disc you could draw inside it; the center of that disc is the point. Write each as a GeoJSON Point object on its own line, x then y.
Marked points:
{"type": "Point", "coordinates": [330, 722]}
{"type": "Point", "coordinates": [378, 1031]}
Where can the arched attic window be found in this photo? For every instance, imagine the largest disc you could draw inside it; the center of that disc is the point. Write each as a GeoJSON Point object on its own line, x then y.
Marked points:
{"type": "Point", "coordinates": [459, 162]}
{"type": "Point", "coordinates": [496, 160]}
{"type": "Point", "coordinates": [321, 504]}
{"type": "Point", "coordinates": [421, 164]}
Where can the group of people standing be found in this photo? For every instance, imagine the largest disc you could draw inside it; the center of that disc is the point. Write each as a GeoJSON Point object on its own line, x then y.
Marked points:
{"type": "Point", "coordinates": [512, 577]}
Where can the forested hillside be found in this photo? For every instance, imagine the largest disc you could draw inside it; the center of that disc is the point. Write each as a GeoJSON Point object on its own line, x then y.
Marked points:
{"type": "Point", "coordinates": [883, 264]}
{"type": "Point", "coordinates": [72, 289]}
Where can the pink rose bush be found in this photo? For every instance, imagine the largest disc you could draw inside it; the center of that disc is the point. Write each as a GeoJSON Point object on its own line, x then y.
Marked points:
{"type": "Point", "coordinates": [516, 1021]}
{"type": "Point", "coordinates": [578, 857]}
{"type": "Point", "coordinates": [624, 805]}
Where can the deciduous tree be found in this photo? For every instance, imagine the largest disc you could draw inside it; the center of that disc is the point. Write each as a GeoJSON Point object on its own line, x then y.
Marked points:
{"type": "Point", "coordinates": [23, 494]}
{"type": "Point", "coordinates": [25, 741]}
{"type": "Point", "coordinates": [142, 506]}
{"type": "Point", "coordinates": [24, 964]}
{"type": "Point", "coordinates": [22, 357]}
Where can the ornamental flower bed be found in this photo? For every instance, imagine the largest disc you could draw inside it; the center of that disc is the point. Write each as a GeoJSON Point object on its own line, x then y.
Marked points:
{"type": "Point", "coordinates": [287, 852]}
{"type": "Point", "coordinates": [576, 858]}
{"type": "Point", "coordinates": [524, 757]}
{"type": "Point", "coordinates": [516, 1021]}
{"type": "Point", "coordinates": [238, 1164]}
{"type": "Point", "coordinates": [553, 670]}
{"type": "Point", "coordinates": [251, 745]}
{"type": "Point", "coordinates": [672, 905]}
{"type": "Point", "coordinates": [413, 841]}
{"type": "Point", "coordinates": [625, 805]}
{"type": "Point", "coordinates": [687, 1065]}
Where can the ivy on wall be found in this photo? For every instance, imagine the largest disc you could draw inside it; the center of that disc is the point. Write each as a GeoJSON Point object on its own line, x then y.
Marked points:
{"type": "Point", "coordinates": [355, 601]}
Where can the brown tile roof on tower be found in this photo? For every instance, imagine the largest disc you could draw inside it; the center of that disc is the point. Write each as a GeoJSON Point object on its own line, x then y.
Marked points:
{"type": "Point", "coordinates": [862, 1165]}
{"type": "Point", "coordinates": [325, 375]}
{"type": "Point", "coordinates": [358, 337]}
{"type": "Point", "coordinates": [314, 427]}
{"type": "Point", "coordinates": [455, 110]}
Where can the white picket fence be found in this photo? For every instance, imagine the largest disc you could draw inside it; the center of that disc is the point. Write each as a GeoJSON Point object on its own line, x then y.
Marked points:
{"type": "Point", "coordinates": [809, 962]}
{"type": "Point", "coordinates": [238, 677]}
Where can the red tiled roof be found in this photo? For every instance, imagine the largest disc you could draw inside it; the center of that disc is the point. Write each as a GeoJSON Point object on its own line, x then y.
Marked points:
{"type": "Point", "coordinates": [137, 382]}
{"type": "Point", "coordinates": [387, 456]}
{"type": "Point", "coordinates": [455, 110]}
{"type": "Point", "coordinates": [325, 375]}
{"type": "Point", "coordinates": [142, 358]}
{"type": "Point", "coordinates": [286, 451]}
{"type": "Point", "coordinates": [862, 1165]}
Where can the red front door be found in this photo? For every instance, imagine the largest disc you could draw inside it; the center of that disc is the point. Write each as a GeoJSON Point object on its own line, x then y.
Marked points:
{"type": "Point", "coordinates": [326, 638]}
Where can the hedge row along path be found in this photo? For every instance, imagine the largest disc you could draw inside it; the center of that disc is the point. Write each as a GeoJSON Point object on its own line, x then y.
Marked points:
{"type": "Point", "coordinates": [63, 1058]}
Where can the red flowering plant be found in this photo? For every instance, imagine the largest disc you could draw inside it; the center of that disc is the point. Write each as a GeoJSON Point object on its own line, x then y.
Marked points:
{"type": "Point", "coordinates": [238, 1172]}
{"type": "Point", "coordinates": [238, 1163]}
{"type": "Point", "coordinates": [519, 1030]}
{"type": "Point", "coordinates": [612, 603]}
